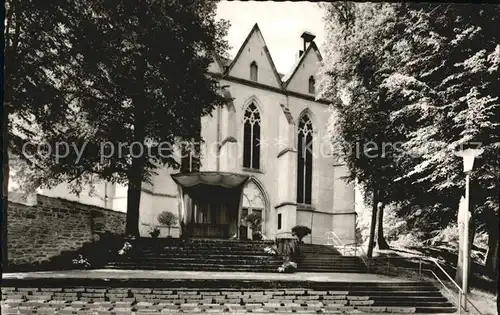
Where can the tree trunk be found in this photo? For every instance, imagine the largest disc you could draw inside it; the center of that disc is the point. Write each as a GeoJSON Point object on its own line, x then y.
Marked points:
{"type": "Point", "coordinates": [491, 261]}
{"type": "Point", "coordinates": [5, 187]}
{"type": "Point", "coordinates": [372, 225]}
{"type": "Point", "coordinates": [135, 171]}
{"type": "Point", "coordinates": [134, 197]}
{"type": "Point", "coordinates": [381, 242]}
{"type": "Point", "coordinates": [498, 279]}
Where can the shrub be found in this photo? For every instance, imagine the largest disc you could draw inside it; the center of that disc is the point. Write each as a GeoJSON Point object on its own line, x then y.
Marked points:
{"type": "Point", "coordinates": [271, 250]}
{"type": "Point", "coordinates": [168, 219]}
{"type": "Point", "coordinates": [81, 262]}
{"type": "Point", "coordinates": [125, 249]}
{"type": "Point", "coordinates": [301, 231]}
{"type": "Point", "coordinates": [288, 267]}
{"type": "Point", "coordinates": [154, 232]}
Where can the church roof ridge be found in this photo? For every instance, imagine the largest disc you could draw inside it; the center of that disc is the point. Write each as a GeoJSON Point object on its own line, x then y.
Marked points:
{"type": "Point", "coordinates": [256, 28]}
{"type": "Point", "coordinates": [288, 77]}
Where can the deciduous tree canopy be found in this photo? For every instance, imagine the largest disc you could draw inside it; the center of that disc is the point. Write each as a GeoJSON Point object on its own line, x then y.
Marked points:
{"type": "Point", "coordinates": [422, 77]}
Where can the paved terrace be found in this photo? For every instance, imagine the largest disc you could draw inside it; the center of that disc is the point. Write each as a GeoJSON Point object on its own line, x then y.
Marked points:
{"type": "Point", "coordinates": [200, 275]}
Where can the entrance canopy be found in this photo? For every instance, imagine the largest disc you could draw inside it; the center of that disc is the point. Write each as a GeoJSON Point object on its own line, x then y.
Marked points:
{"type": "Point", "coordinates": [210, 203]}
{"type": "Point", "coordinates": [222, 179]}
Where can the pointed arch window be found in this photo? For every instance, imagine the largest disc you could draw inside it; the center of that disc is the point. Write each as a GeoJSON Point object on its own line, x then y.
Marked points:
{"type": "Point", "coordinates": [254, 71]}
{"type": "Point", "coordinates": [304, 160]}
{"type": "Point", "coordinates": [312, 85]}
{"type": "Point", "coordinates": [251, 137]}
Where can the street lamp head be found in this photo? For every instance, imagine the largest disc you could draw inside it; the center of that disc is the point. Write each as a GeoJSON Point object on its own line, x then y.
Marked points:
{"type": "Point", "coordinates": [468, 157]}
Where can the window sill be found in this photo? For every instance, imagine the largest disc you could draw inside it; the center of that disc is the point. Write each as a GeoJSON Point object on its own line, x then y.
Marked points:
{"type": "Point", "coordinates": [252, 170]}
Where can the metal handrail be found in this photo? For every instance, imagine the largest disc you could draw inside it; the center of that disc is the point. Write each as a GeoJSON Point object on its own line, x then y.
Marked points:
{"type": "Point", "coordinates": [336, 239]}
{"type": "Point", "coordinates": [363, 256]}
{"type": "Point", "coordinates": [433, 260]}
{"type": "Point", "coordinates": [461, 292]}
{"type": "Point", "coordinates": [368, 262]}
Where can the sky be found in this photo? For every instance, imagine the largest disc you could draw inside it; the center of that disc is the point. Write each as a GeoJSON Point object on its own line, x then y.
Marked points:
{"type": "Point", "coordinates": [281, 24]}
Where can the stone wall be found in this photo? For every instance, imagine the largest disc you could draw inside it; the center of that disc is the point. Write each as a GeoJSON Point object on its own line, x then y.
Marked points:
{"type": "Point", "coordinates": [41, 227]}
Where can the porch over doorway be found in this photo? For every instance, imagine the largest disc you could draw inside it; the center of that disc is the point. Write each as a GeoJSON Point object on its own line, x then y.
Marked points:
{"type": "Point", "coordinates": [210, 204]}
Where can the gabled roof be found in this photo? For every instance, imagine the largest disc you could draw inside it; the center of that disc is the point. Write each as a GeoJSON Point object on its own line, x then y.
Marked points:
{"type": "Point", "coordinates": [287, 78]}
{"type": "Point", "coordinates": [219, 64]}
{"type": "Point", "coordinates": [256, 28]}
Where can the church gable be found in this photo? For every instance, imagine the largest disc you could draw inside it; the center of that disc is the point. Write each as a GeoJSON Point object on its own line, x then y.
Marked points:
{"type": "Point", "coordinates": [216, 67]}
{"type": "Point", "coordinates": [253, 61]}
{"type": "Point", "coordinates": [303, 77]}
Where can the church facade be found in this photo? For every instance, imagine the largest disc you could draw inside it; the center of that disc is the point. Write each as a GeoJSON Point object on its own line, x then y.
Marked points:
{"type": "Point", "coordinates": [264, 153]}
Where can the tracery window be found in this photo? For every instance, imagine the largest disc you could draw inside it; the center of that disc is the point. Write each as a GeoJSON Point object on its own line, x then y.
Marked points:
{"type": "Point", "coordinates": [251, 137]}
{"type": "Point", "coordinates": [304, 160]}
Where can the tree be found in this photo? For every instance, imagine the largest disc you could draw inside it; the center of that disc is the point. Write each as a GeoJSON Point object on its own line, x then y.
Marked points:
{"type": "Point", "coordinates": [140, 81]}
{"type": "Point", "coordinates": [459, 69]}
{"type": "Point", "coordinates": [353, 74]}
{"type": "Point", "coordinates": [425, 73]}
{"type": "Point", "coordinates": [35, 50]}
{"type": "Point", "coordinates": [168, 219]}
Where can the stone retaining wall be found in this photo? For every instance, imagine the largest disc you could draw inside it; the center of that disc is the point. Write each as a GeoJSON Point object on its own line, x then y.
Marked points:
{"type": "Point", "coordinates": [42, 227]}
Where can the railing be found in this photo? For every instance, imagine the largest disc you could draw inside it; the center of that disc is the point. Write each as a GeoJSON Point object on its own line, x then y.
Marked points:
{"type": "Point", "coordinates": [334, 240]}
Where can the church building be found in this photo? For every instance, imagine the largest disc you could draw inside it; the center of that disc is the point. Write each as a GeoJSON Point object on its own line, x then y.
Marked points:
{"type": "Point", "coordinates": [266, 152]}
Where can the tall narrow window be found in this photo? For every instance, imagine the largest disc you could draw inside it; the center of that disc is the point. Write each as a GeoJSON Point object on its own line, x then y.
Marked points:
{"type": "Point", "coordinates": [190, 159]}
{"type": "Point", "coordinates": [312, 88]}
{"type": "Point", "coordinates": [279, 221]}
{"type": "Point", "coordinates": [254, 71]}
{"type": "Point", "coordinates": [304, 160]}
{"type": "Point", "coordinates": [251, 137]}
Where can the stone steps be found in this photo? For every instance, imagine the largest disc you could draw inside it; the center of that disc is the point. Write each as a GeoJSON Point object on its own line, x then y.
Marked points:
{"type": "Point", "coordinates": [173, 242]}
{"type": "Point", "coordinates": [334, 271]}
{"type": "Point", "coordinates": [207, 260]}
{"type": "Point", "coordinates": [203, 253]}
{"type": "Point", "coordinates": [181, 254]}
{"type": "Point", "coordinates": [328, 264]}
{"type": "Point", "coordinates": [320, 257]}
{"type": "Point", "coordinates": [323, 258]}
{"type": "Point", "coordinates": [318, 249]}
{"type": "Point", "coordinates": [322, 297]}
{"type": "Point", "coordinates": [193, 267]}
{"type": "Point", "coordinates": [199, 255]}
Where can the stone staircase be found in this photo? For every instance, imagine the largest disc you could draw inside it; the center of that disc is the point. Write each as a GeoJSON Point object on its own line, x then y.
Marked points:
{"type": "Point", "coordinates": [229, 296]}
{"type": "Point", "coordinates": [323, 258]}
{"type": "Point", "coordinates": [199, 255]}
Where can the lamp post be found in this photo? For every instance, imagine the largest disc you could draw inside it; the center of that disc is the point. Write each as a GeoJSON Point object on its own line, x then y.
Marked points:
{"type": "Point", "coordinates": [468, 157]}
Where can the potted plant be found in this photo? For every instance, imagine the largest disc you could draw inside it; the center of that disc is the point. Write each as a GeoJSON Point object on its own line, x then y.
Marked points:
{"type": "Point", "coordinates": [168, 219]}
{"type": "Point", "coordinates": [154, 232]}
{"type": "Point", "coordinates": [301, 231]}
{"type": "Point", "coordinates": [254, 221]}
